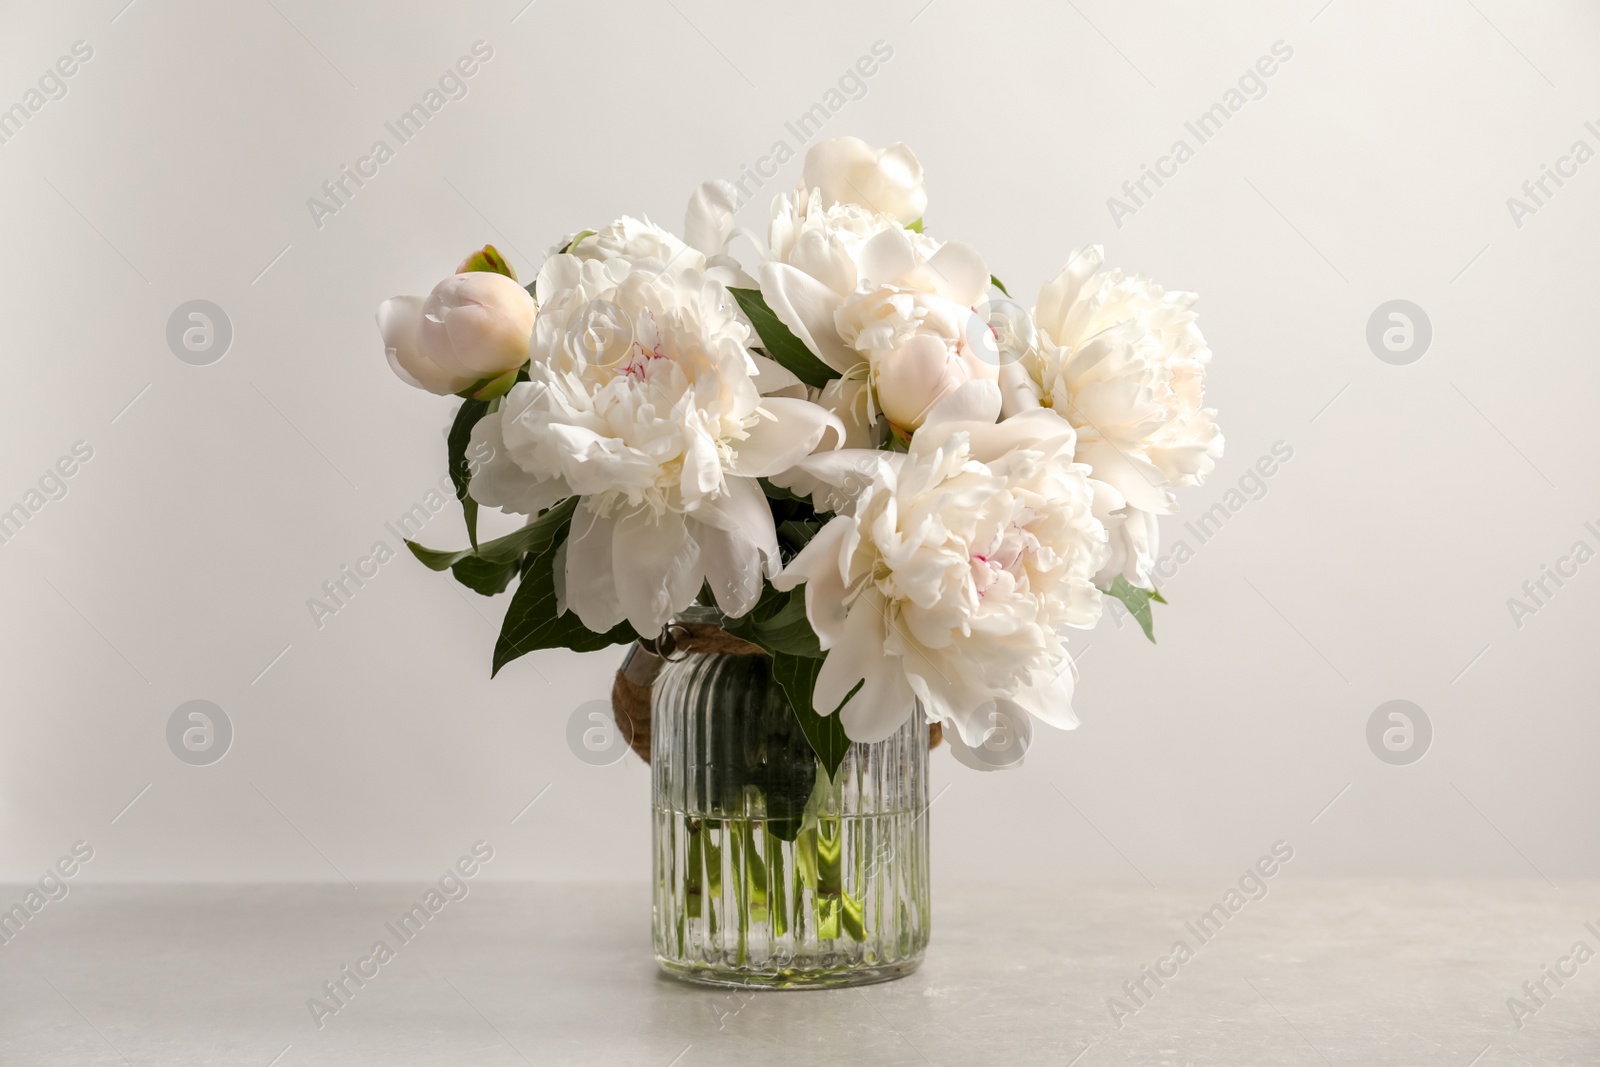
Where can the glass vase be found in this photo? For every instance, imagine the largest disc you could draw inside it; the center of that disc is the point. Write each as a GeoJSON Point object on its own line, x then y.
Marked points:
{"type": "Point", "coordinates": [766, 872]}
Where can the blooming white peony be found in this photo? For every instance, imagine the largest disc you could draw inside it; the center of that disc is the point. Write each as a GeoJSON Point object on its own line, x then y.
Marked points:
{"type": "Point", "coordinates": [950, 570]}
{"type": "Point", "coordinates": [638, 239]}
{"type": "Point", "coordinates": [847, 170]}
{"type": "Point", "coordinates": [1121, 359]}
{"type": "Point", "coordinates": [472, 326]}
{"type": "Point", "coordinates": [643, 401]}
{"type": "Point", "coordinates": [916, 348]}
{"type": "Point", "coordinates": [902, 341]}
{"type": "Point", "coordinates": [826, 240]}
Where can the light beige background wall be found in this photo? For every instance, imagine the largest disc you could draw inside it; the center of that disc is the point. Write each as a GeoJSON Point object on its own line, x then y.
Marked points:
{"type": "Point", "coordinates": [1375, 165]}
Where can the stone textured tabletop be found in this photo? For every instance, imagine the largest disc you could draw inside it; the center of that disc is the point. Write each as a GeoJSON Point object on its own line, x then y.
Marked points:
{"type": "Point", "coordinates": [1316, 972]}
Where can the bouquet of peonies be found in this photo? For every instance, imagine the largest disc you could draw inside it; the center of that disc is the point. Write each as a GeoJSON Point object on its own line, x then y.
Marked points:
{"type": "Point", "coordinates": [903, 486]}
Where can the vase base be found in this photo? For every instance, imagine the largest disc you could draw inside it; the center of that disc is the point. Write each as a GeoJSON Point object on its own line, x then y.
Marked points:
{"type": "Point", "coordinates": [836, 978]}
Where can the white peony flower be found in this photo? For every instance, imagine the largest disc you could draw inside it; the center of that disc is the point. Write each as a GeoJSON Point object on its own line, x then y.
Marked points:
{"type": "Point", "coordinates": [826, 240]}
{"type": "Point", "coordinates": [643, 401]}
{"type": "Point", "coordinates": [950, 570]}
{"type": "Point", "coordinates": [909, 327]}
{"type": "Point", "coordinates": [635, 239]}
{"type": "Point", "coordinates": [916, 349]}
{"type": "Point", "coordinates": [847, 170]}
{"type": "Point", "coordinates": [1121, 359]}
{"type": "Point", "coordinates": [472, 326]}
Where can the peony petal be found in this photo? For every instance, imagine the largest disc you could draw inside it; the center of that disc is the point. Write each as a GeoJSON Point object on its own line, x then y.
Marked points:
{"type": "Point", "coordinates": [590, 589]}
{"type": "Point", "coordinates": [477, 324]}
{"type": "Point", "coordinates": [885, 699]}
{"type": "Point", "coordinates": [772, 379]}
{"type": "Point", "coordinates": [560, 272]}
{"type": "Point", "coordinates": [774, 445]}
{"type": "Point", "coordinates": [807, 307]}
{"type": "Point", "coordinates": [498, 482]}
{"type": "Point", "coordinates": [975, 401]}
{"type": "Point", "coordinates": [1057, 296]}
{"type": "Point", "coordinates": [709, 220]}
{"type": "Point", "coordinates": [733, 567]}
{"type": "Point", "coordinates": [962, 275]}
{"type": "Point", "coordinates": [1040, 430]}
{"type": "Point", "coordinates": [656, 567]}
{"type": "Point", "coordinates": [1050, 701]}
{"type": "Point", "coordinates": [1018, 391]}
{"type": "Point", "coordinates": [741, 508]}
{"type": "Point", "coordinates": [850, 399]}
{"type": "Point", "coordinates": [1007, 735]}
{"type": "Point", "coordinates": [398, 320]}
{"type": "Point", "coordinates": [822, 565]}
{"type": "Point", "coordinates": [1134, 476]}
{"type": "Point", "coordinates": [834, 479]}
{"type": "Point", "coordinates": [887, 256]}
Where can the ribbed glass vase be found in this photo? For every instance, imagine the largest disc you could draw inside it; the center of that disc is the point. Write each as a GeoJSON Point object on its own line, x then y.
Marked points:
{"type": "Point", "coordinates": [766, 872]}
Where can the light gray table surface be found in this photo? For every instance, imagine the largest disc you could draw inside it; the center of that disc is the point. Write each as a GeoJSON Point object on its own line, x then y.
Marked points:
{"type": "Point", "coordinates": [1317, 972]}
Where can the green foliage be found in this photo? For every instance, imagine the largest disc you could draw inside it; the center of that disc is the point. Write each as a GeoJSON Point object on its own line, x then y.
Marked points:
{"type": "Point", "coordinates": [488, 259]}
{"type": "Point", "coordinates": [778, 624]}
{"type": "Point", "coordinates": [780, 343]}
{"type": "Point", "coordinates": [531, 621]}
{"type": "Point", "coordinates": [1137, 602]}
{"type": "Point", "coordinates": [460, 471]}
{"type": "Point", "coordinates": [538, 536]}
{"type": "Point", "coordinates": [483, 576]}
{"type": "Point", "coordinates": [797, 676]}
{"type": "Point", "coordinates": [998, 284]}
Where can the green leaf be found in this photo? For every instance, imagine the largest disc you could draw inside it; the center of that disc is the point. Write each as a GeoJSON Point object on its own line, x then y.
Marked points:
{"type": "Point", "coordinates": [797, 675]}
{"type": "Point", "coordinates": [537, 537]}
{"type": "Point", "coordinates": [460, 473]}
{"type": "Point", "coordinates": [488, 259]}
{"type": "Point", "coordinates": [778, 625]}
{"type": "Point", "coordinates": [491, 566]}
{"type": "Point", "coordinates": [484, 576]}
{"type": "Point", "coordinates": [796, 534]}
{"type": "Point", "coordinates": [782, 626]}
{"type": "Point", "coordinates": [531, 621]}
{"type": "Point", "coordinates": [436, 560]}
{"type": "Point", "coordinates": [578, 239]}
{"type": "Point", "coordinates": [998, 284]}
{"type": "Point", "coordinates": [780, 343]}
{"type": "Point", "coordinates": [915, 226]}
{"type": "Point", "coordinates": [495, 387]}
{"type": "Point", "coordinates": [1155, 595]}
{"type": "Point", "coordinates": [1137, 602]}
{"type": "Point", "coordinates": [778, 492]}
